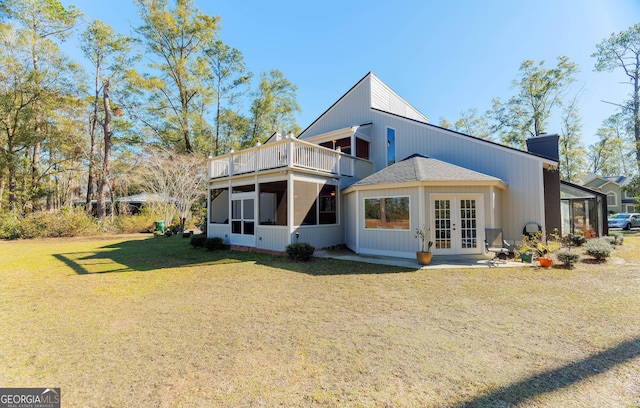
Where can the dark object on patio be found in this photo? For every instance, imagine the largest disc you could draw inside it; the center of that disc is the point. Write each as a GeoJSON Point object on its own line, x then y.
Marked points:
{"type": "Point", "coordinates": [531, 229]}
{"type": "Point", "coordinates": [494, 242]}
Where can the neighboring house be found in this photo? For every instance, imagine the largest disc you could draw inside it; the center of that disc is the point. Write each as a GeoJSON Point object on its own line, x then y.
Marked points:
{"type": "Point", "coordinates": [618, 200]}
{"type": "Point", "coordinates": [370, 171]}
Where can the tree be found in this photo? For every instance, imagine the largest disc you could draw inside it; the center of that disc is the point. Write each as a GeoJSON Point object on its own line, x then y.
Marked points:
{"type": "Point", "coordinates": [470, 123]}
{"type": "Point", "coordinates": [30, 101]}
{"type": "Point", "coordinates": [109, 54]}
{"type": "Point", "coordinates": [229, 74]}
{"type": "Point", "coordinates": [178, 39]}
{"type": "Point", "coordinates": [540, 90]}
{"type": "Point", "coordinates": [176, 181]}
{"type": "Point", "coordinates": [611, 156]}
{"type": "Point", "coordinates": [622, 50]}
{"type": "Point", "coordinates": [41, 21]}
{"type": "Point", "coordinates": [572, 152]}
{"type": "Point", "coordinates": [273, 108]}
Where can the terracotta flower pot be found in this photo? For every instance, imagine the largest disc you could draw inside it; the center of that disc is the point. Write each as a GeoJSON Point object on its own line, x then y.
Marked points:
{"type": "Point", "coordinates": [424, 258]}
{"type": "Point", "coordinates": [545, 262]}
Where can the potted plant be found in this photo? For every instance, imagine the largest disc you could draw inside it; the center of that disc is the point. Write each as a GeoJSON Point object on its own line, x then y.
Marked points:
{"type": "Point", "coordinates": [424, 256]}
{"type": "Point", "coordinates": [545, 249]}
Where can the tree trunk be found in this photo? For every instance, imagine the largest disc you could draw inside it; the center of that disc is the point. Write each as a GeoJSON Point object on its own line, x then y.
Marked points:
{"type": "Point", "coordinates": [106, 164]}
{"type": "Point", "coordinates": [13, 182]}
{"type": "Point", "coordinates": [93, 148]}
{"type": "Point", "coordinates": [636, 118]}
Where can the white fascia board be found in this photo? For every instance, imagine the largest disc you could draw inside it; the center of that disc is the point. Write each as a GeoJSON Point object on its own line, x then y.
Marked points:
{"type": "Point", "coordinates": [427, 183]}
{"type": "Point", "coordinates": [333, 135]}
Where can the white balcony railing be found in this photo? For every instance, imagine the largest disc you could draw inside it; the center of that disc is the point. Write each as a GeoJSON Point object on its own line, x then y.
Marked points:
{"type": "Point", "coordinates": [291, 153]}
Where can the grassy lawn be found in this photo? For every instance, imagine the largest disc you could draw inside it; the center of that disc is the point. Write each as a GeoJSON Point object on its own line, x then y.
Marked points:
{"type": "Point", "coordinates": [139, 321]}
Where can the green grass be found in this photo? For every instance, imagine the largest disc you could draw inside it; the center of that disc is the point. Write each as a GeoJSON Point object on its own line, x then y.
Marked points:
{"type": "Point", "coordinates": [139, 321]}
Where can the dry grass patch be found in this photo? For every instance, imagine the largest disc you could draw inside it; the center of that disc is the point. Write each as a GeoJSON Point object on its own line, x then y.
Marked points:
{"type": "Point", "coordinates": [152, 322]}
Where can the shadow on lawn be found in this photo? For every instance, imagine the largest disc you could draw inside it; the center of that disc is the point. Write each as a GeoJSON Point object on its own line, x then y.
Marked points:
{"type": "Point", "coordinates": [161, 253]}
{"type": "Point", "coordinates": [558, 378]}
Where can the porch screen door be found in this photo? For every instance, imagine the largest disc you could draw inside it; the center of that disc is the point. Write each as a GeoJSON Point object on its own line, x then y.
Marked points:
{"type": "Point", "coordinates": [457, 224]}
{"type": "Point", "coordinates": [243, 219]}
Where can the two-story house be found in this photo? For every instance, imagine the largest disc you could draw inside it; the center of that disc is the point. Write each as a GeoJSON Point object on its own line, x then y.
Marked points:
{"type": "Point", "coordinates": [618, 200]}
{"type": "Point", "coordinates": [370, 171]}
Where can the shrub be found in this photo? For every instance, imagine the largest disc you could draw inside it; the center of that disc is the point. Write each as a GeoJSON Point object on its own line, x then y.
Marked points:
{"type": "Point", "coordinates": [9, 226]}
{"type": "Point", "coordinates": [131, 224]}
{"type": "Point", "coordinates": [568, 257]}
{"type": "Point", "coordinates": [598, 248]}
{"type": "Point", "coordinates": [619, 237]}
{"type": "Point", "coordinates": [578, 240]}
{"type": "Point", "coordinates": [197, 240]}
{"type": "Point", "coordinates": [300, 251]}
{"type": "Point", "coordinates": [213, 243]}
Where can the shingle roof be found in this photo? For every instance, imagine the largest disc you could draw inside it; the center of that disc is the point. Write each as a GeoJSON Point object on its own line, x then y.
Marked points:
{"type": "Point", "coordinates": [420, 168]}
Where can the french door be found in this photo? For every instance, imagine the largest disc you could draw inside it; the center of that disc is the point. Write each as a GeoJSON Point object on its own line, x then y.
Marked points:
{"type": "Point", "coordinates": [457, 224]}
{"type": "Point", "coordinates": [243, 223]}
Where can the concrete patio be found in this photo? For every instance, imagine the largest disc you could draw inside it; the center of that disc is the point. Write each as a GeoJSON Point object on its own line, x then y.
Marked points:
{"type": "Point", "coordinates": [437, 262]}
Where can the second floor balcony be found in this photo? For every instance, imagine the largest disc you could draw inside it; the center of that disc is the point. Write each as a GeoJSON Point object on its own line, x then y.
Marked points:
{"type": "Point", "coordinates": [286, 153]}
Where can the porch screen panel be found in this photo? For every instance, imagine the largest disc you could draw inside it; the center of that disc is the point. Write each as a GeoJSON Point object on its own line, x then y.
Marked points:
{"type": "Point", "coordinates": [236, 216]}
{"type": "Point", "coordinates": [468, 229]}
{"type": "Point", "coordinates": [442, 219]}
{"type": "Point", "coordinates": [304, 206]}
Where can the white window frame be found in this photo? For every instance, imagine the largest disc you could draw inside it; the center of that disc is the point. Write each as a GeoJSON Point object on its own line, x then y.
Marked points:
{"type": "Point", "coordinates": [615, 199]}
{"type": "Point", "coordinates": [364, 221]}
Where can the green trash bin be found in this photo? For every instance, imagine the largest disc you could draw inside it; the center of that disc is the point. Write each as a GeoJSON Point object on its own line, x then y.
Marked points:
{"type": "Point", "coordinates": [160, 226]}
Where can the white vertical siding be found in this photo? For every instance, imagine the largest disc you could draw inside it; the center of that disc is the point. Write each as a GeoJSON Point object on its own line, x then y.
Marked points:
{"type": "Point", "coordinates": [520, 202]}
{"type": "Point", "coordinates": [353, 109]}
{"type": "Point", "coordinates": [219, 230]}
{"type": "Point", "coordinates": [384, 98]}
{"type": "Point", "coordinates": [350, 220]}
{"type": "Point", "coordinates": [272, 238]}
{"type": "Point", "coordinates": [320, 236]}
{"type": "Point", "coordinates": [400, 243]}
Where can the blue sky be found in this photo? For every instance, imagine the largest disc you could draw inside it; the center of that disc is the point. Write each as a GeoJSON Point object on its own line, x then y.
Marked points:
{"type": "Point", "coordinates": [443, 57]}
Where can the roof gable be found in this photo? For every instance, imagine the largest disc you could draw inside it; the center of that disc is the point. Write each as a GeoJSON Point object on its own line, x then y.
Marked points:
{"type": "Point", "coordinates": [380, 97]}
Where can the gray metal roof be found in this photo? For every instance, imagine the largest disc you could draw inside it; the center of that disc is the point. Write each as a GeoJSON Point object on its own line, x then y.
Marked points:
{"type": "Point", "coordinates": [420, 168]}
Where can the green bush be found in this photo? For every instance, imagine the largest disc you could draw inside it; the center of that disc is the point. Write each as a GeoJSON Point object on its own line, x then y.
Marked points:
{"type": "Point", "coordinates": [214, 243]}
{"type": "Point", "coordinates": [197, 240]}
{"type": "Point", "coordinates": [578, 240]}
{"type": "Point", "coordinates": [567, 257]}
{"type": "Point", "coordinates": [9, 226]}
{"type": "Point", "coordinates": [598, 248]}
{"type": "Point", "coordinates": [300, 251]}
{"type": "Point", "coordinates": [72, 222]}
{"type": "Point", "coordinates": [67, 222]}
{"type": "Point", "coordinates": [619, 237]}
{"type": "Point", "coordinates": [132, 224]}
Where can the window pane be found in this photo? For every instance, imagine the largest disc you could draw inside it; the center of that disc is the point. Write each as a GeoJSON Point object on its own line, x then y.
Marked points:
{"type": "Point", "coordinates": [248, 210]}
{"type": "Point", "coordinates": [219, 206]}
{"type": "Point", "coordinates": [391, 146]}
{"type": "Point", "coordinates": [327, 203]}
{"type": "Point", "coordinates": [387, 213]}
{"type": "Point", "coordinates": [304, 207]}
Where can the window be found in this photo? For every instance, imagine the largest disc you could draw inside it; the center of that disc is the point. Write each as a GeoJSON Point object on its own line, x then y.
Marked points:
{"type": "Point", "coordinates": [315, 204]}
{"type": "Point", "coordinates": [391, 146]}
{"type": "Point", "coordinates": [387, 213]}
{"type": "Point", "coordinates": [612, 199]}
{"type": "Point", "coordinates": [327, 204]}
{"type": "Point", "coordinates": [272, 204]}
